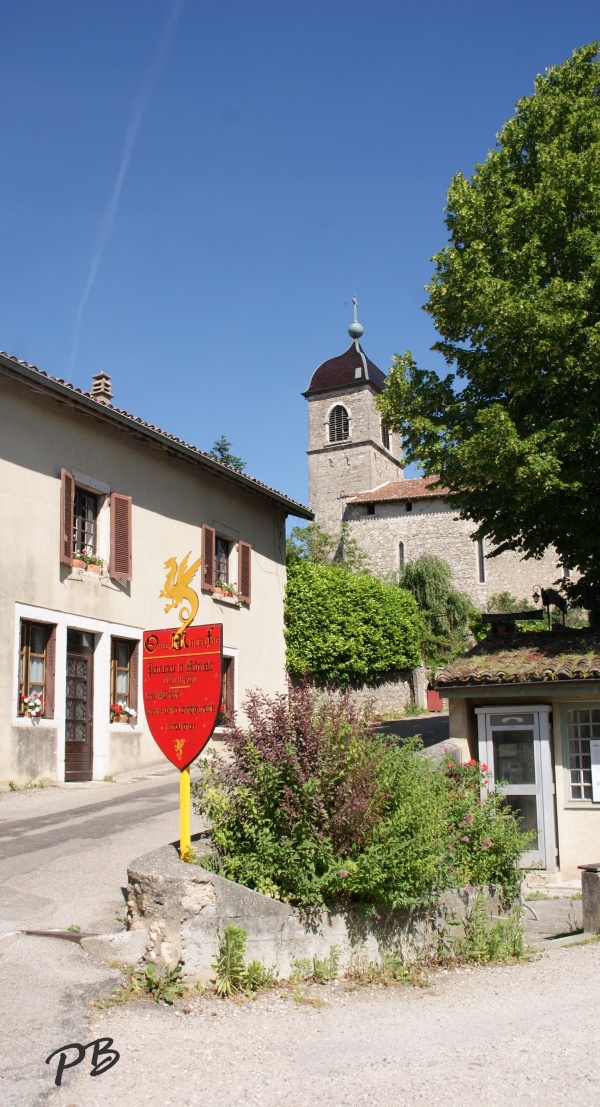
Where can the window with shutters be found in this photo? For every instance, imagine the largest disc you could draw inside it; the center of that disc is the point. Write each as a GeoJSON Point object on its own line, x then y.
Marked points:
{"type": "Point", "coordinates": [124, 678]}
{"type": "Point", "coordinates": [339, 424]}
{"type": "Point", "coordinates": [86, 517]}
{"type": "Point", "coordinates": [218, 564]}
{"type": "Point", "coordinates": [36, 667]}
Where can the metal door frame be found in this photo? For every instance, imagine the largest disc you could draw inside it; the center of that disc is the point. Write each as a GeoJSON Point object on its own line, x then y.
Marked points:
{"type": "Point", "coordinates": [543, 788]}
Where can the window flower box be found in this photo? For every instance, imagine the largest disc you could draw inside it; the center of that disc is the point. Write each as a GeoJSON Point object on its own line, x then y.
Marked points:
{"type": "Point", "coordinates": [121, 713]}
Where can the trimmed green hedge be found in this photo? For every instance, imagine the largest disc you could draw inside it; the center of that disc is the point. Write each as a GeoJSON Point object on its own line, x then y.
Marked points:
{"type": "Point", "coordinates": [348, 628]}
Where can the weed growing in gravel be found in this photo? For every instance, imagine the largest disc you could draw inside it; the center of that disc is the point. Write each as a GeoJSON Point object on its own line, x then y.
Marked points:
{"type": "Point", "coordinates": [74, 929]}
{"type": "Point", "coordinates": [13, 787]}
{"type": "Point", "coordinates": [33, 784]}
{"type": "Point", "coordinates": [316, 970]}
{"type": "Point", "coordinates": [485, 940]}
{"type": "Point", "coordinates": [233, 976]}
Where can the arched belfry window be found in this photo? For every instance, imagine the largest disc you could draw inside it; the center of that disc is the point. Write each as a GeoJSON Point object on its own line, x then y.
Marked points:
{"type": "Point", "coordinates": [339, 424]}
{"type": "Point", "coordinates": [385, 436]}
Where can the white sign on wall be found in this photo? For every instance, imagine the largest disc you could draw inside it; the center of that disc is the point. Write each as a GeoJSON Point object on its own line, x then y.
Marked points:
{"type": "Point", "coordinates": [595, 752]}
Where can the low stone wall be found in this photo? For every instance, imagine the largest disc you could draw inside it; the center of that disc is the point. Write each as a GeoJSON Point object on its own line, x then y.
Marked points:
{"type": "Point", "coordinates": [184, 910]}
{"type": "Point", "coordinates": [393, 694]}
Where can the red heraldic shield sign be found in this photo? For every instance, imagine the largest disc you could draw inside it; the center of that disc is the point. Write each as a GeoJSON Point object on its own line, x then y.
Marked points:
{"type": "Point", "coordinates": [182, 688]}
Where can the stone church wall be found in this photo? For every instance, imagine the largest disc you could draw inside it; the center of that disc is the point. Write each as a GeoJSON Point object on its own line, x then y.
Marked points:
{"type": "Point", "coordinates": [433, 528]}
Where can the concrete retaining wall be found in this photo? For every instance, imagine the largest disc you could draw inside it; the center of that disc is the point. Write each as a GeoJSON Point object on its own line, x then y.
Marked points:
{"type": "Point", "coordinates": [184, 910]}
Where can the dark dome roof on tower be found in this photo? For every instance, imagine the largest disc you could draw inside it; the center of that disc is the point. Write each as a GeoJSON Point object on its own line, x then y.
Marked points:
{"type": "Point", "coordinates": [342, 372]}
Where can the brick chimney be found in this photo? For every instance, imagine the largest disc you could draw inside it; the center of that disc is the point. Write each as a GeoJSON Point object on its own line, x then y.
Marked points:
{"type": "Point", "coordinates": [101, 390]}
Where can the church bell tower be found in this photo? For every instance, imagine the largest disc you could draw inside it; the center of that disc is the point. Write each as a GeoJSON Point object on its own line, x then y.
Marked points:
{"type": "Point", "coordinates": [349, 450]}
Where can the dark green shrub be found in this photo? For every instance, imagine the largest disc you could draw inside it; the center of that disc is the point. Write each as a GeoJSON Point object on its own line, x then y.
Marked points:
{"type": "Point", "coordinates": [347, 628]}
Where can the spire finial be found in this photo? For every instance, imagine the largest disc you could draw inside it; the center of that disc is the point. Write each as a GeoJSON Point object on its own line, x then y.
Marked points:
{"type": "Point", "coordinates": [355, 330]}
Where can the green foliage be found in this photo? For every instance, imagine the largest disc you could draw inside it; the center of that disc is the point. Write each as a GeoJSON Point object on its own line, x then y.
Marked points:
{"type": "Point", "coordinates": [163, 989]}
{"type": "Point", "coordinates": [345, 627]}
{"type": "Point", "coordinates": [484, 940]}
{"type": "Point", "coordinates": [447, 613]}
{"type": "Point", "coordinates": [514, 431]}
{"type": "Point", "coordinates": [232, 974]}
{"type": "Point", "coordinates": [486, 841]}
{"type": "Point", "coordinates": [221, 451]}
{"type": "Point", "coordinates": [314, 809]}
{"type": "Point", "coordinates": [230, 965]}
{"type": "Point", "coordinates": [312, 543]}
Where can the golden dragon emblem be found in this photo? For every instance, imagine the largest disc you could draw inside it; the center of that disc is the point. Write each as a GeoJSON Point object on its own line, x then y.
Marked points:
{"type": "Point", "coordinates": [177, 588]}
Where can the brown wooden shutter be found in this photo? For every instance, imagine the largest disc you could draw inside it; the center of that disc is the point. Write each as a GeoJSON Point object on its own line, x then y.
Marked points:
{"type": "Point", "coordinates": [208, 558]}
{"type": "Point", "coordinates": [67, 500]}
{"type": "Point", "coordinates": [50, 675]}
{"type": "Point", "coordinates": [134, 676]}
{"type": "Point", "coordinates": [120, 536]}
{"type": "Point", "coordinates": [244, 571]}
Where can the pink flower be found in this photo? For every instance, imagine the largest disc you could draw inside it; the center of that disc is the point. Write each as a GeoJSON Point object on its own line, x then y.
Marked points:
{"type": "Point", "coordinates": [465, 838]}
{"type": "Point", "coordinates": [343, 873]}
{"type": "Point", "coordinates": [486, 843]}
{"type": "Point", "coordinates": [469, 817]}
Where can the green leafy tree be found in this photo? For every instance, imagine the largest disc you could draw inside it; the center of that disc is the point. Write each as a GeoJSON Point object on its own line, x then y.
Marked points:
{"type": "Point", "coordinates": [344, 627]}
{"type": "Point", "coordinates": [312, 543]}
{"type": "Point", "coordinates": [448, 614]}
{"type": "Point", "coordinates": [514, 430]}
{"type": "Point", "coordinates": [221, 451]}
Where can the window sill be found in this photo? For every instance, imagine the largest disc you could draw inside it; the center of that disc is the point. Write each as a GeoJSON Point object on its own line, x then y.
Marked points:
{"type": "Point", "coordinates": [231, 601]}
{"type": "Point", "coordinates": [82, 574]}
{"type": "Point", "coordinates": [130, 728]}
{"type": "Point", "coordinates": [582, 805]}
{"type": "Point", "coordinates": [24, 720]}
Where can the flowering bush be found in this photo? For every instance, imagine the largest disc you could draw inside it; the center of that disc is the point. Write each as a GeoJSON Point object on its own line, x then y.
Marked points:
{"type": "Point", "coordinates": [314, 808]}
{"type": "Point", "coordinates": [32, 705]}
{"type": "Point", "coordinates": [486, 841]}
{"type": "Point", "coordinates": [121, 713]}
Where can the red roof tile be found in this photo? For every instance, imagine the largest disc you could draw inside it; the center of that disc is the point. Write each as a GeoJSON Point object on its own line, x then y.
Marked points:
{"type": "Point", "coordinates": [416, 488]}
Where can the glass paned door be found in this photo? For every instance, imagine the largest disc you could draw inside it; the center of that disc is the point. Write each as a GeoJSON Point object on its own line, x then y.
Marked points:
{"type": "Point", "coordinates": [79, 706]}
{"type": "Point", "coordinates": [516, 748]}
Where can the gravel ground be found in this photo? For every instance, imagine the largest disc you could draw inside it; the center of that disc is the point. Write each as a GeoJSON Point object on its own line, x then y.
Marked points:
{"type": "Point", "coordinates": [524, 1033]}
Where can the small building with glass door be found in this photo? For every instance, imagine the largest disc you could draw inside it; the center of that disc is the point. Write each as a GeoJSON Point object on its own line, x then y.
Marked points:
{"type": "Point", "coordinates": [528, 706]}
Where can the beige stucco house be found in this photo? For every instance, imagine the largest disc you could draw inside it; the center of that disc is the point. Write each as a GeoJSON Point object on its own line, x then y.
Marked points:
{"type": "Point", "coordinates": [528, 706]}
{"type": "Point", "coordinates": [355, 475]}
{"type": "Point", "coordinates": [79, 476]}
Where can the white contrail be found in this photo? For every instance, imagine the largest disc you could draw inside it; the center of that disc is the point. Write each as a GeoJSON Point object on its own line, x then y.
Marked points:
{"type": "Point", "coordinates": [137, 112]}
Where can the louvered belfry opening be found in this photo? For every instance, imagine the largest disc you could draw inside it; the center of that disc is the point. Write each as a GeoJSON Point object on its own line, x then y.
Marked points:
{"type": "Point", "coordinates": [339, 424]}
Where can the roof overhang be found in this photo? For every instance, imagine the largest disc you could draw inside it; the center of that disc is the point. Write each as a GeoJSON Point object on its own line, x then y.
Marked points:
{"type": "Point", "coordinates": [67, 394]}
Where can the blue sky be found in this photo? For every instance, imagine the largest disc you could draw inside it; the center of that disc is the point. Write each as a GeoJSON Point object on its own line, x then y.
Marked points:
{"type": "Point", "coordinates": [192, 193]}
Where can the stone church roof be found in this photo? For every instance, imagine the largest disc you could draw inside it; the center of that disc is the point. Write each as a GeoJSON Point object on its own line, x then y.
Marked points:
{"type": "Point", "coordinates": [415, 488]}
{"type": "Point", "coordinates": [532, 657]}
{"type": "Point", "coordinates": [341, 372]}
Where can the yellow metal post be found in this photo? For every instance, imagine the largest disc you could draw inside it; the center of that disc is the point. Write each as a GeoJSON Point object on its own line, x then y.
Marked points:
{"type": "Point", "coordinates": [185, 827]}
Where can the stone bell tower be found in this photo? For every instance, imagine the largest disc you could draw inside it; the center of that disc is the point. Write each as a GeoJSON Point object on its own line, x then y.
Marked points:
{"type": "Point", "coordinates": [349, 451]}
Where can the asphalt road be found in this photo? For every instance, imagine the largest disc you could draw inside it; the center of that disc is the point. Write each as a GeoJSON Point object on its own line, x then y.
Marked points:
{"type": "Point", "coordinates": [432, 728]}
{"type": "Point", "coordinates": [63, 862]}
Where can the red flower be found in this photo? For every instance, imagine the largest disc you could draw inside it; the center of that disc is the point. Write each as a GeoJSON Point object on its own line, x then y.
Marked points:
{"type": "Point", "coordinates": [484, 767]}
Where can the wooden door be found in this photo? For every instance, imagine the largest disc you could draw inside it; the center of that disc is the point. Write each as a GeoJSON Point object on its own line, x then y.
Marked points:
{"type": "Point", "coordinates": [79, 718]}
